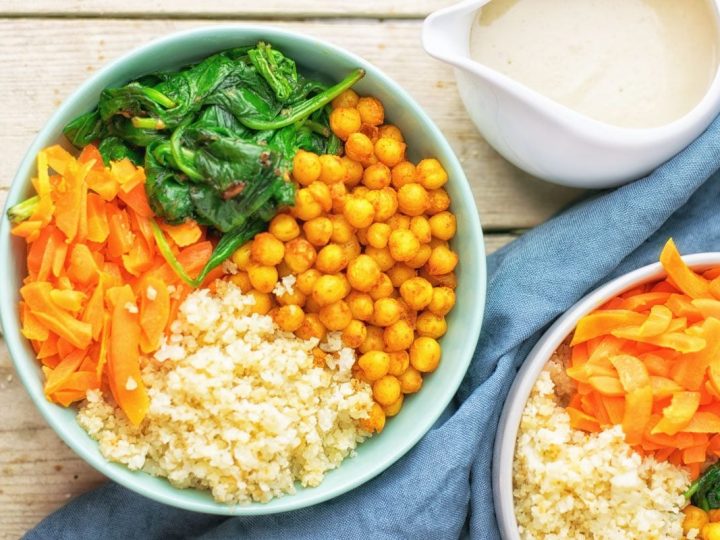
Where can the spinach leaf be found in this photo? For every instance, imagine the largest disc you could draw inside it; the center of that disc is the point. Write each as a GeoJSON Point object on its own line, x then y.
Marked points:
{"type": "Point", "coordinates": [114, 148]}
{"type": "Point", "coordinates": [705, 491]}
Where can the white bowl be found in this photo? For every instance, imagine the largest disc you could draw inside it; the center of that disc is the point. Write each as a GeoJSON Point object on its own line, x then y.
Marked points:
{"type": "Point", "coordinates": [504, 451]}
{"type": "Point", "coordinates": [547, 139]}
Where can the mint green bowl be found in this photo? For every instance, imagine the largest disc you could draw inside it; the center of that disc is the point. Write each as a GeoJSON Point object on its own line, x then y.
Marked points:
{"type": "Point", "coordinates": [424, 139]}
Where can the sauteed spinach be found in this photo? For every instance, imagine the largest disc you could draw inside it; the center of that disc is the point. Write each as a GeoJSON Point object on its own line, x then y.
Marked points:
{"type": "Point", "coordinates": [216, 139]}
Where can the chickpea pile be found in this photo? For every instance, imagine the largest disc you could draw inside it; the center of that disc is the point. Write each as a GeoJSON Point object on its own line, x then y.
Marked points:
{"type": "Point", "coordinates": [708, 523]}
{"type": "Point", "coordinates": [367, 241]}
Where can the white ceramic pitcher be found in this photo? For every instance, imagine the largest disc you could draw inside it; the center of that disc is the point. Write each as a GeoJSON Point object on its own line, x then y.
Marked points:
{"type": "Point", "coordinates": [547, 139]}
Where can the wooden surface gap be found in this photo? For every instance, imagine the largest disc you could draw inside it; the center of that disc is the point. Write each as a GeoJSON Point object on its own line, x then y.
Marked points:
{"type": "Point", "coordinates": [219, 17]}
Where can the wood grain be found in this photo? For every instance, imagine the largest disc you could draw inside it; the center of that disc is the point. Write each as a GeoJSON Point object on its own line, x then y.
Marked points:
{"type": "Point", "coordinates": [277, 9]}
{"type": "Point", "coordinates": [44, 60]}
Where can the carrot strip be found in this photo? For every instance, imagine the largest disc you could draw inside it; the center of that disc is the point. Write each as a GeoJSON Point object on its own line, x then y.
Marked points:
{"type": "Point", "coordinates": [62, 372]}
{"type": "Point", "coordinates": [692, 284]}
{"type": "Point", "coordinates": [605, 322]}
{"type": "Point", "coordinates": [37, 297]}
{"type": "Point", "coordinates": [154, 313]}
{"type": "Point", "coordinates": [679, 413]}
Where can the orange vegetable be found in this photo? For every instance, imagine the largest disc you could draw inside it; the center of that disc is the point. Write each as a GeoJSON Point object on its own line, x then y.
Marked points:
{"type": "Point", "coordinates": [124, 355]}
{"type": "Point", "coordinates": [90, 243]}
{"type": "Point", "coordinates": [678, 414]}
{"type": "Point", "coordinates": [580, 420]}
{"type": "Point", "coordinates": [604, 322]}
{"type": "Point", "coordinates": [692, 284]}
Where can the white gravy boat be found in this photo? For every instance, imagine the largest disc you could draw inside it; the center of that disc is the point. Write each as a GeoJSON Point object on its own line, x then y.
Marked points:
{"type": "Point", "coordinates": [547, 139]}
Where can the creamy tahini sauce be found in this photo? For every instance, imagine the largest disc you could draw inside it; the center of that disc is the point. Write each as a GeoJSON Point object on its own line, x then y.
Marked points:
{"type": "Point", "coordinates": [631, 63]}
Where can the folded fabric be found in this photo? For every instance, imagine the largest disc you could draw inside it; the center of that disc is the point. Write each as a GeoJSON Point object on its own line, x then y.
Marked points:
{"type": "Point", "coordinates": [442, 489]}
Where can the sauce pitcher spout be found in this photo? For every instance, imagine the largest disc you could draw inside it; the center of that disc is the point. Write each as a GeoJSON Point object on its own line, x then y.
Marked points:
{"type": "Point", "coordinates": [446, 32]}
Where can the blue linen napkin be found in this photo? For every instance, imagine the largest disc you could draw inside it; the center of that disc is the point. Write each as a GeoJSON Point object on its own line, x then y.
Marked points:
{"type": "Point", "coordinates": [442, 489]}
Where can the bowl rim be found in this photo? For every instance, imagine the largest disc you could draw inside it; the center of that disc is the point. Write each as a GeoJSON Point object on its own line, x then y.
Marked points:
{"type": "Point", "coordinates": [222, 33]}
{"type": "Point", "coordinates": [509, 423]}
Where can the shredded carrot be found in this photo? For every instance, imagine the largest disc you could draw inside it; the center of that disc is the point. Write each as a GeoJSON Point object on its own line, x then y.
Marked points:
{"type": "Point", "coordinates": [96, 295]}
{"type": "Point", "coordinates": [649, 360]}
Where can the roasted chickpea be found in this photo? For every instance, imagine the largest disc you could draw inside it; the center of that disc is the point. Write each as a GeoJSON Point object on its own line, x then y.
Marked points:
{"type": "Point", "coordinates": [383, 288]}
{"type": "Point", "coordinates": [299, 255]}
{"type": "Point", "coordinates": [283, 269]}
{"type": "Point", "coordinates": [376, 176]}
{"type": "Point", "coordinates": [384, 201]}
{"type": "Point", "coordinates": [344, 121]}
{"type": "Point", "coordinates": [394, 408]}
{"type": "Point", "coordinates": [443, 300]}
{"type": "Point", "coordinates": [373, 340]}
{"type": "Point", "coordinates": [363, 273]}
{"type": "Point", "coordinates": [311, 327]}
{"type": "Point", "coordinates": [371, 111]}
{"type": "Point", "coordinates": [435, 242]}
{"type": "Point", "coordinates": [266, 250]}
{"type": "Point", "coordinates": [263, 302]}
{"type": "Point", "coordinates": [431, 174]}
{"type": "Point", "coordinates": [389, 151]}
{"type": "Point", "coordinates": [386, 312]}
{"type": "Point", "coordinates": [714, 515]}
{"type": "Point", "coordinates": [421, 257]}
{"type": "Point", "coordinates": [399, 362]}
{"type": "Point", "coordinates": [342, 230]}
{"type": "Point", "coordinates": [296, 297]}
{"type": "Point", "coordinates": [417, 292]}
{"type": "Point", "coordinates": [410, 381]}
{"type": "Point", "coordinates": [359, 212]}
{"type": "Point", "coordinates": [361, 235]}
{"type": "Point", "coordinates": [431, 325]}
{"type": "Point", "coordinates": [348, 98]}
{"type": "Point", "coordinates": [695, 518]}
{"type": "Point", "coordinates": [331, 259]}
{"type": "Point", "coordinates": [336, 316]}
{"type": "Point", "coordinates": [398, 336]}
{"type": "Point", "coordinates": [375, 364]}
{"type": "Point", "coordinates": [442, 280]}
{"type": "Point", "coordinates": [242, 258]}
{"type": "Point", "coordinates": [359, 147]}
{"type": "Point", "coordinates": [442, 261]}
{"type": "Point", "coordinates": [338, 194]}
{"type": "Point", "coordinates": [381, 256]}
{"type": "Point", "coordinates": [711, 531]}
{"type": "Point", "coordinates": [306, 207]}
{"type": "Point", "coordinates": [333, 169]}
{"type": "Point", "coordinates": [420, 226]}
{"type": "Point", "coordinates": [289, 317]}
{"type": "Point", "coordinates": [400, 273]}
{"type": "Point", "coordinates": [372, 133]}
{"type": "Point", "coordinates": [351, 249]}
{"type": "Point", "coordinates": [354, 334]}
{"type": "Point", "coordinates": [353, 171]}
{"type": "Point", "coordinates": [425, 354]}
{"type": "Point", "coordinates": [391, 131]}
{"type": "Point", "coordinates": [263, 278]}
{"type": "Point", "coordinates": [408, 314]}
{"type": "Point", "coordinates": [328, 289]}
{"type": "Point", "coordinates": [386, 390]}
{"type": "Point", "coordinates": [284, 227]}
{"type": "Point", "coordinates": [361, 305]}
{"type": "Point", "coordinates": [360, 192]}
{"type": "Point", "coordinates": [413, 199]}
{"type": "Point", "coordinates": [311, 305]}
{"type": "Point", "coordinates": [306, 281]}
{"type": "Point", "coordinates": [306, 167]}
{"type": "Point", "coordinates": [375, 422]}
{"type": "Point", "coordinates": [399, 221]}
{"type": "Point", "coordinates": [402, 173]}
{"type": "Point", "coordinates": [443, 225]}
{"type": "Point", "coordinates": [318, 230]}
{"type": "Point", "coordinates": [242, 280]}
{"type": "Point", "coordinates": [439, 201]}
{"type": "Point", "coordinates": [321, 193]}
{"type": "Point", "coordinates": [378, 235]}
{"type": "Point", "coordinates": [403, 245]}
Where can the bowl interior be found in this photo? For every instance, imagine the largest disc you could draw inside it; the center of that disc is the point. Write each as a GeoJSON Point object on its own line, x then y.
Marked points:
{"type": "Point", "coordinates": [504, 451]}
{"type": "Point", "coordinates": [424, 140]}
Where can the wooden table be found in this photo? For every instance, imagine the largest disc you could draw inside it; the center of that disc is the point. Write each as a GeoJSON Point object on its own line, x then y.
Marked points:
{"type": "Point", "coordinates": [48, 47]}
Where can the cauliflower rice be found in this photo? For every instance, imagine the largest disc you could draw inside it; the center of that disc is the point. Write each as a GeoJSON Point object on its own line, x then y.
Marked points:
{"type": "Point", "coordinates": [571, 484]}
{"type": "Point", "coordinates": [236, 405]}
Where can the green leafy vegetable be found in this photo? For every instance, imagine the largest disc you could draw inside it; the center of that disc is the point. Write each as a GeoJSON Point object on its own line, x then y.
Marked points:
{"type": "Point", "coordinates": [705, 491]}
{"type": "Point", "coordinates": [217, 138]}
{"type": "Point", "coordinates": [23, 210]}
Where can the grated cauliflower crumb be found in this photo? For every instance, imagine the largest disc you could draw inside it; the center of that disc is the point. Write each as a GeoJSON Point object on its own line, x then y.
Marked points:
{"type": "Point", "coordinates": [151, 293]}
{"type": "Point", "coordinates": [131, 384]}
{"type": "Point", "coordinates": [131, 308]}
{"type": "Point", "coordinates": [236, 405]}
{"type": "Point", "coordinates": [286, 285]}
{"type": "Point", "coordinates": [575, 485]}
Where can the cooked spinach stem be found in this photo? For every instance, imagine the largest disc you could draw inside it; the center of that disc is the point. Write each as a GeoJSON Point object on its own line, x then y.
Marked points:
{"type": "Point", "coordinates": [704, 492]}
{"type": "Point", "coordinates": [23, 210]}
{"type": "Point", "coordinates": [318, 128]}
{"type": "Point", "coordinates": [168, 255]}
{"type": "Point", "coordinates": [147, 123]}
{"type": "Point", "coordinates": [181, 156]}
{"type": "Point", "coordinates": [306, 108]}
{"type": "Point", "coordinates": [158, 97]}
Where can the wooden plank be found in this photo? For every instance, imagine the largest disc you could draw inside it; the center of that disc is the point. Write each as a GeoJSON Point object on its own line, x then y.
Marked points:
{"type": "Point", "coordinates": [274, 9]}
{"type": "Point", "coordinates": [45, 59]}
